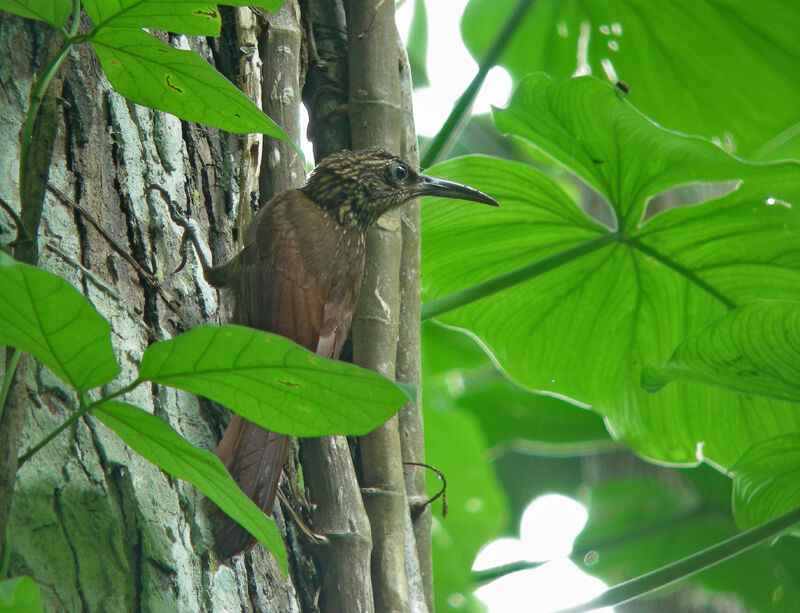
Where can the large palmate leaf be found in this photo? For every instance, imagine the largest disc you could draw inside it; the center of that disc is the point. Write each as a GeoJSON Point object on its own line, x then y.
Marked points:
{"type": "Point", "coordinates": [766, 480]}
{"type": "Point", "coordinates": [754, 349]}
{"type": "Point", "coordinates": [273, 382]}
{"type": "Point", "coordinates": [570, 307]}
{"type": "Point", "coordinates": [636, 526]}
{"type": "Point", "coordinates": [511, 417]}
{"type": "Point", "coordinates": [47, 317]}
{"type": "Point", "coordinates": [707, 67]}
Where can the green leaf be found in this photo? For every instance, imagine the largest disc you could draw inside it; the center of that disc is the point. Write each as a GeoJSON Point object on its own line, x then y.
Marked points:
{"type": "Point", "coordinates": [619, 153]}
{"type": "Point", "coordinates": [149, 72]}
{"type": "Point", "coordinates": [273, 382]}
{"type": "Point", "coordinates": [409, 390]}
{"type": "Point", "coordinates": [533, 422]}
{"type": "Point", "coordinates": [626, 509]}
{"type": "Point", "coordinates": [45, 316]}
{"type": "Point", "coordinates": [193, 17]}
{"type": "Point", "coordinates": [54, 12]}
{"type": "Point", "coordinates": [511, 417]}
{"type": "Point", "coordinates": [690, 65]}
{"type": "Point", "coordinates": [418, 45]}
{"type": "Point", "coordinates": [445, 350]}
{"type": "Point", "coordinates": [476, 507]}
{"type": "Point", "coordinates": [754, 349]}
{"type": "Point", "coordinates": [20, 595]}
{"type": "Point", "coordinates": [157, 441]}
{"type": "Point", "coordinates": [628, 535]}
{"type": "Point", "coordinates": [766, 480]}
{"type": "Point", "coordinates": [569, 307]}
{"type": "Point", "coordinates": [458, 376]}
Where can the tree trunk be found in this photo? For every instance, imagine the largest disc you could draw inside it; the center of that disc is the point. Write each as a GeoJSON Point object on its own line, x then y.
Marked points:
{"type": "Point", "coordinates": [98, 527]}
{"type": "Point", "coordinates": [95, 525]}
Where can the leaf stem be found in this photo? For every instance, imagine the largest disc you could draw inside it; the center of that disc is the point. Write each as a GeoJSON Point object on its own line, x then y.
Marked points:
{"type": "Point", "coordinates": [6, 559]}
{"type": "Point", "coordinates": [11, 367]}
{"type": "Point", "coordinates": [83, 410]}
{"type": "Point", "coordinates": [437, 307]}
{"type": "Point", "coordinates": [37, 96]}
{"type": "Point", "coordinates": [54, 433]}
{"type": "Point", "coordinates": [690, 565]}
{"type": "Point", "coordinates": [680, 269]}
{"type": "Point", "coordinates": [76, 18]}
{"type": "Point", "coordinates": [447, 134]}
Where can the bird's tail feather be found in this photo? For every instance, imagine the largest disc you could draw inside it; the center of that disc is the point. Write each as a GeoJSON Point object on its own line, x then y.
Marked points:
{"type": "Point", "coordinates": [254, 457]}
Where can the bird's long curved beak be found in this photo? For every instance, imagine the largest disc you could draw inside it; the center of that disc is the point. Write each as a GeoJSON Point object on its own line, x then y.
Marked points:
{"type": "Point", "coordinates": [442, 188]}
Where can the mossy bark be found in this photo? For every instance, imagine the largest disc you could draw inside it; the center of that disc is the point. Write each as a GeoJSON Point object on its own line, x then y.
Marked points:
{"type": "Point", "coordinates": [98, 527]}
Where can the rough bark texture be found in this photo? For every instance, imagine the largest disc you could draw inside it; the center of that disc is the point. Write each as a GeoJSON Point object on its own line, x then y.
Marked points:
{"type": "Point", "coordinates": [326, 92]}
{"type": "Point", "coordinates": [281, 166]}
{"type": "Point", "coordinates": [412, 435]}
{"type": "Point", "coordinates": [22, 238]}
{"type": "Point", "coordinates": [99, 153]}
{"type": "Point", "coordinates": [98, 527]}
{"type": "Point", "coordinates": [11, 422]}
{"type": "Point", "coordinates": [375, 120]}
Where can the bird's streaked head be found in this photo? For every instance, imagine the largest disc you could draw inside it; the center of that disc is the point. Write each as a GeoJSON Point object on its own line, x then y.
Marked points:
{"type": "Point", "coordinates": [360, 186]}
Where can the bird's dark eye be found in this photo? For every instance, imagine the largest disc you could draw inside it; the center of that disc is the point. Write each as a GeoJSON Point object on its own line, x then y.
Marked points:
{"type": "Point", "coordinates": [399, 172]}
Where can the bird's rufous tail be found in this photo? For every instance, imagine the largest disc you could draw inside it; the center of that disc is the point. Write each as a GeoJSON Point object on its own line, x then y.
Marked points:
{"type": "Point", "coordinates": [254, 457]}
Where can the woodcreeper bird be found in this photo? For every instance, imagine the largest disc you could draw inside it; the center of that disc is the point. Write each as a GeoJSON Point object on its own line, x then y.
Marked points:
{"type": "Point", "coordinates": [299, 275]}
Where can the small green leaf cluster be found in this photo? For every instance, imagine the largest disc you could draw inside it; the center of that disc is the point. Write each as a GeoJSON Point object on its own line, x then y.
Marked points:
{"type": "Point", "coordinates": [263, 377]}
{"type": "Point", "coordinates": [146, 70]}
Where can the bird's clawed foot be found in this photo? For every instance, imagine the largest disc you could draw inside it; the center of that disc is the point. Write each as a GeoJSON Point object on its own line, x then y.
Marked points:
{"type": "Point", "coordinates": [317, 539]}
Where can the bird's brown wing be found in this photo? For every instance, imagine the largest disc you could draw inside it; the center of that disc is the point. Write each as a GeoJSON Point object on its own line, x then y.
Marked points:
{"type": "Point", "coordinates": [278, 293]}
{"type": "Point", "coordinates": [285, 282]}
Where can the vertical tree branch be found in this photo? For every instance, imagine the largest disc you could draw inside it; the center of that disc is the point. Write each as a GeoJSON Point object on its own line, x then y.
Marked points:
{"type": "Point", "coordinates": [412, 433]}
{"type": "Point", "coordinates": [329, 473]}
{"type": "Point", "coordinates": [339, 514]}
{"type": "Point", "coordinates": [375, 120]}
{"type": "Point", "coordinates": [34, 173]}
{"type": "Point", "coordinates": [281, 166]}
{"type": "Point", "coordinates": [11, 422]}
{"type": "Point", "coordinates": [325, 92]}
{"type": "Point", "coordinates": [247, 33]}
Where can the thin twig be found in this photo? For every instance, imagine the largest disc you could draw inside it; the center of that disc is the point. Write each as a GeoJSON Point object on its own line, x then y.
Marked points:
{"type": "Point", "coordinates": [53, 433]}
{"type": "Point", "coordinates": [12, 358]}
{"type": "Point", "coordinates": [83, 410]}
{"type": "Point", "coordinates": [21, 231]}
{"type": "Point", "coordinates": [102, 286]}
{"type": "Point", "coordinates": [372, 18]}
{"type": "Point", "coordinates": [169, 299]}
{"type": "Point", "coordinates": [442, 492]}
{"type": "Point", "coordinates": [317, 539]}
{"type": "Point", "coordinates": [37, 96]}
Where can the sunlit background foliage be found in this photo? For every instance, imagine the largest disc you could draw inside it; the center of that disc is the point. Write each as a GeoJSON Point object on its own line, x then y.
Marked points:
{"type": "Point", "coordinates": [586, 172]}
